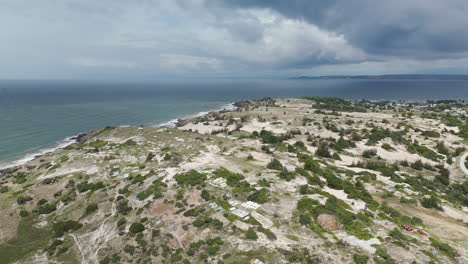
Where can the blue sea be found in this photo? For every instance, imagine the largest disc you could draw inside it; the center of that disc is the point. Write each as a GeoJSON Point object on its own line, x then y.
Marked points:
{"type": "Point", "coordinates": [38, 116]}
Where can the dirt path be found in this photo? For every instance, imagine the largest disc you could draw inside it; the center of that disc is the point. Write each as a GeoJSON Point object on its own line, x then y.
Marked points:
{"type": "Point", "coordinates": [91, 243]}
{"type": "Point", "coordinates": [462, 163]}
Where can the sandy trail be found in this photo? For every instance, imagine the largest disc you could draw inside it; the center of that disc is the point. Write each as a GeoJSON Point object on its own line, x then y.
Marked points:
{"type": "Point", "coordinates": [462, 163]}
{"type": "Point", "coordinates": [90, 244]}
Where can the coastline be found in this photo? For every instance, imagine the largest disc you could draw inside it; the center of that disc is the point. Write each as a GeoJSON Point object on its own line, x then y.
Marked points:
{"type": "Point", "coordinates": [81, 137]}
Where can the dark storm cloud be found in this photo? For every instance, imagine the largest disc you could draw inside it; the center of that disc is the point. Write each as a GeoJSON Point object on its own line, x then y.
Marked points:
{"type": "Point", "coordinates": [417, 28]}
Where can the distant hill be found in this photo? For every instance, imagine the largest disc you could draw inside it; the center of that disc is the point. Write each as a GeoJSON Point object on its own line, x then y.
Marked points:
{"type": "Point", "coordinates": [388, 77]}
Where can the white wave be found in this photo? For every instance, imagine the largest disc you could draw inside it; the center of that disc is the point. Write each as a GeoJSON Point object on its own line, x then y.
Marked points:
{"type": "Point", "coordinates": [173, 122]}
{"type": "Point", "coordinates": [32, 155]}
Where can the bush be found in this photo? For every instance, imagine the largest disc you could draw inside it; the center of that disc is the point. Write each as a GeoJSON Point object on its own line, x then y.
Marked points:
{"type": "Point", "coordinates": [306, 204]}
{"type": "Point", "coordinates": [323, 151]}
{"type": "Point", "coordinates": [305, 219]}
{"type": "Point", "coordinates": [205, 195]}
{"type": "Point", "coordinates": [431, 202]}
{"type": "Point", "coordinates": [136, 228]}
{"type": "Point", "coordinates": [190, 178]}
{"type": "Point", "coordinates": [23, 199]}
{"type": "Point", "coordinates": [251, 234]}
{"type": "Point", "coordinates": [446, 248]}
{"type": "Point", "coordinates": [360, 259]}
{"type": "Point", "coordinates": [287, 176]}
{"type": "Point", "coordinates": [150, 156]}
{"type": "Point", "coordinates": [60, 228]}
{"type": "Point", "coordinates": [91, 208]}
{"type": "Point", "coordinates": [430, 133]}
{"type": "Point", "coordinates": [23, 213]}
{"type": "Point", "coordinates": [387, 147]}
{"type": "Point", "coordinates": [47, 208]}
{"type": "Point", "coordinates": [275, 164]}
{"type": "Point", "coordinates": [368, 153]}
{"type": "Point", "coordinates": [232, 179]}
{"type": "Point", "coordinates": [336, 156]}
{"type": "Point", "coordinates": [123, 207]}
{"type": "Point", "coordinates": [260, 196]}
{"type": "Point", "coordinates": [85, 186]}
{"type": "Point", "coordinates": [311, 165]}
{"type": "Point", "coordinates": [4, 189]}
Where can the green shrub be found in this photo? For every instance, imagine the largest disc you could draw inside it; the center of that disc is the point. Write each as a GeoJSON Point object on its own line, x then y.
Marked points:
{"type": "Point", "coordinates": [323, 151]}
{"type": "Point", "coordinates": [305, 219]}
{"type": "Point", "coordinates": [205, 195]}
{"type": "Point", "coordinates": [232, 179]}
{"type": "Point", "coordinates": [446, 248]}
{"type": "Point", "coordinates": [4, 189]}
{"type": "Point", "coordinates": [60, 228]}
{"type": "Point", "coordinates": [306, 204]}
{"type": "Point", "coordinates": [190, 178]}
{"type": "Point", "coordinates": [430, 133]}
{"type": "Point", "coordinates": [260, 196]}
{"type": "Point", "coordinates": [360, 259]}
{"type": "Point", "coordinates": [23, 199]}
{"type": "Point", "coordinates": [47, 208]}
{"type": "Point", "coordinates": [150, 156]}
{"type": "Point", "coordinates": [368, 153]}
{"type": "Point", "coordinates": [91, 208]}
{"type": "Point", "coordinates": [251, 234]}
{"type": "Point", "coordinates": [136, 227]}
{"type": "Point", "coordinates": [287, 175]}
{"type": "Point", "coordinates": [275, 164]}
{"type": "Point", "coordinates": [23, 213]}
{"type": "Point", "coordinates": [85, 186]}
{"type": "Point", "coordinates": [431, 202]}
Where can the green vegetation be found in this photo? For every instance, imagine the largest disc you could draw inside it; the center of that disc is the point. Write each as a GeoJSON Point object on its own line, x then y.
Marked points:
{"type": "Point", "coordinates": [323, 151]}
{"type": "Point", "coordinates": [60, 228]}
{"type": "Point", "coordinates": [334, 104]}
{"type": "Point", "coordinates": [91, 208]}
{"type": "Point", "coordinates": [430, 133]}
{"type": "Point", "coordinates": [260, 196]}
{"type": "Point", "coordinates": [136, 227]}
{"type": "Point", "coordinates": [28, 239]}
{"type": "Point", "coordinates": [85, 186]}
{"type": "Point", "coordinates": [424, 151]}
{"type": "Point", "coordinates": [250, 234]}
{"type": "Point", "coordinates": [444, 247]}
{"type": "Point", "coordinates": [190, 178]}
{"type": "Point", "coordinates": [431, 202]}
{"type": "Point", "coordinates": [156, 189]}
{"type": "Point", "coordinates": [360, 259]}
{"type": "Point", "coordinates": [275, 164]}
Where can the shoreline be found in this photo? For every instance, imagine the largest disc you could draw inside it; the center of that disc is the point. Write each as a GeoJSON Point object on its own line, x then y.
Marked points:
{"type": "Point", "coordinates": [81, 137]}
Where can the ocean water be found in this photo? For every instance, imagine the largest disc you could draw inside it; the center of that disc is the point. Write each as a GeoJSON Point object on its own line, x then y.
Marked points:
{"type": "Point", "coordinates": [38, 116]}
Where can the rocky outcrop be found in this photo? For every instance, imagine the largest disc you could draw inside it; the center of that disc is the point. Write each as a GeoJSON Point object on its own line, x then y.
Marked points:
{"type": "Point", "coordinates": [328, 222]}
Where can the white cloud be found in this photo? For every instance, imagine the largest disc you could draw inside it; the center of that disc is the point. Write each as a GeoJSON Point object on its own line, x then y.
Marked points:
{"type": "Point", "coordinates": [102, 63]}
{"type": "Point", "coordinates": [185, 62]}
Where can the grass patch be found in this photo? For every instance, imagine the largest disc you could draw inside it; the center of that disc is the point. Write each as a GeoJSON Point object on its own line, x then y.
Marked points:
{"type": "Point", "coordinates": [28, 239]}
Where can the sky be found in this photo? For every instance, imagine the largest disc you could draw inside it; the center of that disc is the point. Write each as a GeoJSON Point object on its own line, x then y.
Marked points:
{"type": "Point", "coordinates": [132, 39]}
